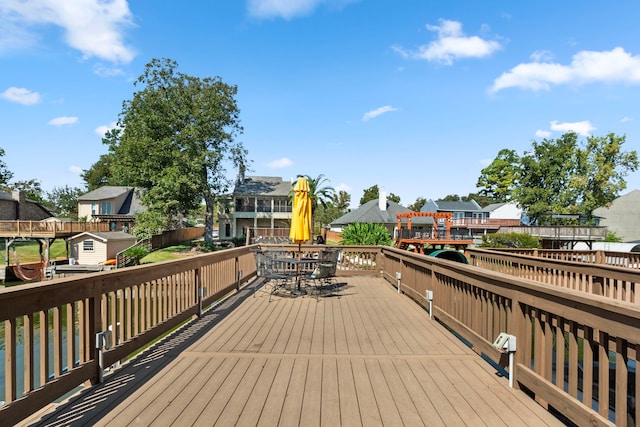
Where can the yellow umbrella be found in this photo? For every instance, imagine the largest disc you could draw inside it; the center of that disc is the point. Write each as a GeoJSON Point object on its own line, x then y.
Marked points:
{"type": "Point", "coordinates": [300, 220]}
{"type": "Point", "coordinates": [301, 215]}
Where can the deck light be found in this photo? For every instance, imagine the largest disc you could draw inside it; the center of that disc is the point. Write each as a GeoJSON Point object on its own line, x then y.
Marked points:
{"type": "Point", "coordinates": [507, 343]}
{"type": "Point", "coordinates": [429, 296]}
{"type": "Point", "coordinates": [398, 277]}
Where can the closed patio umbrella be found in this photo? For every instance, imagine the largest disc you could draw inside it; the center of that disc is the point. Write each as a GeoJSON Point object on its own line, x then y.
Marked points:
{"type": "Point", "coordinates": [301, 217]}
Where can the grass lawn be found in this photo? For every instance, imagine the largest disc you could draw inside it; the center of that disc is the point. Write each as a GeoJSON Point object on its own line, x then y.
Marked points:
{"type": "Point", "coordinates": [29, 251]}
{"type": "Point", "coordinates": [168, 253]}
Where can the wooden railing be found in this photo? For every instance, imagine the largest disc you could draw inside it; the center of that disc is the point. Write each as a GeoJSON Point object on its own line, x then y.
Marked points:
{"type": "Point", "coordinates": [608, 281]}
{"type": "Point", "coordinates": [56, 324]}
{"type": "Point", "coordinates": [576, 352]}
{"type": "Point", "coordinates": [48, 228]}
{"type": "Point", "coordinates": [560, 232]}
{"type": "Point", "coordinates": [484, 222]}
{"type": "Point", "coordinates": [613, 258]}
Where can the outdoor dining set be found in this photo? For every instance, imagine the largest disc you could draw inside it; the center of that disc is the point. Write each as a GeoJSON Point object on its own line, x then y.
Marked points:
{"type": "Point", "coordinates": [289, 273]}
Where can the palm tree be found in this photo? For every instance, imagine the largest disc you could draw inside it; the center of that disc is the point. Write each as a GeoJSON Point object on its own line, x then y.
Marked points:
{"type": "Point", "coordinates": [319, 193]}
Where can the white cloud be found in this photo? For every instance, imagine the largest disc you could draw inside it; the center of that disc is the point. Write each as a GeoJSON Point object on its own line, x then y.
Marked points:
{"type": "Point", "coordinates": [280, 163]}
{"type": "Point", "coordinates": [21, 96]}
{"type": "Point", "coordinates": [342, 187]}
{"type": "Point", "coordinates": [586, 67]}
{"type": "Point", "coordinates": [452, 44]}
{"type": "Point", "coordinates": [583, 128]}
{"type": "Point", "coordinates": [102, 130]}
{"type": "Point", "coordinates": [288, 9]}
{"type": "Point", "coordinates": [64, 120]}
{"type": "Point", "coordinates": [378, 111]}
{"type": "Point", "coordinates": [102, 71]}
{"type": "Point", "coordinates": [625, 119]}
{"type": "Point", "coordinates": [543, 133]}
{"type": "Point", "coordinates": [76, 170]}
{"type": "Point", "coordinates": [94, 27]}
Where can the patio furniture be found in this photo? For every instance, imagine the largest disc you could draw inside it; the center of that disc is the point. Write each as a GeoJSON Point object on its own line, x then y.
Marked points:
{"type": "Point", "coordinates": [274, 270]}
{"type": "Point", "coordinates": [322, 277]}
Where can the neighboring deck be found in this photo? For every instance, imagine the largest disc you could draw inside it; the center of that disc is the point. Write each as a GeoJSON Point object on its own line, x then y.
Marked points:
{"type": "Point", "coordinates": [48, 229]}
{"type": "Point", "coordinates": [369, 357]}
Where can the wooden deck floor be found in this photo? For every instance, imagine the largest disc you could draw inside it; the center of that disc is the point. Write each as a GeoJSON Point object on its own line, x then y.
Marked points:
{"type": "Point", "coordinates": [370, 357]}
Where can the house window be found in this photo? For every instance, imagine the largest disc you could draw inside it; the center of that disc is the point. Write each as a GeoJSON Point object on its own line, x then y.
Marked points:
{"type": "Point", "coordinates": [94, 208]}
{"type": "Point", "coordinates": [105, 208]}
{"type": "Point", "coordinates": [227, 230]}
{"type": "Point", "coordinates": [87, 245]}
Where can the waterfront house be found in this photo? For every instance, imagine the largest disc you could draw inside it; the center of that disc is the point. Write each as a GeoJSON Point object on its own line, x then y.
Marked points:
{"type": "Point", "coordinates": [116, 205]}
{"type": "Point", "coordinates": [622, 216]}
{"type": "Point", "coordinates": [256, 202]}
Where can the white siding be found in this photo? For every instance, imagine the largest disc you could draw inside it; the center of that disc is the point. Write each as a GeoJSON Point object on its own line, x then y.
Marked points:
{"type": "Point", "coordinates": [507, 211]}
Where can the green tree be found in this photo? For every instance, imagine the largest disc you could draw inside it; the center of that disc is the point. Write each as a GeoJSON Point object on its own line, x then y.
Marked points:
{"type": "Point", "coordinates": [338, 206]}
{"type": "Point", "coordinates": [31, 188]}
{"type": "Point", "coordinates": [563, 177]}
{"type": "Point", "coordinates": [419, 203]}
{"type": "Point", "coordinates": [602, 167]}
{"type": "Point", "coordinates": [372, 193]}
{"type": "Point", "coordinates": [5, 173]}
{"type": "Point", "coordinates": [365, 234]}
{"type": "Point", "coordinates": [99, 174]}
{"type": "Point", "coordinates": [64, 201]}
{"type": "Point", "coordinates": [175, 139]}
{"type": "Point", "coordinates": [498, 180]}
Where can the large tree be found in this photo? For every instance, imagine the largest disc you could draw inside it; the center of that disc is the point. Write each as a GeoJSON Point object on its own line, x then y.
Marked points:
{"type": "Point", "coordinates": [100, 173]}
{"type": "Point", "coordinates": [175, 140]}
{"type": "Point", "coordinates": [563, 176]}
{"type": "Point", "coordinates": [498, 180]}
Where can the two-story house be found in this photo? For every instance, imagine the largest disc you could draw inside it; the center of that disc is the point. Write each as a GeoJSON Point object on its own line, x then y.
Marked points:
{"type": "Point", "coordinates": [116, 205]}
{"type": "Point", "coordinates": [471, 221]}
{"type": "Point", "coordinates": [256, 202]}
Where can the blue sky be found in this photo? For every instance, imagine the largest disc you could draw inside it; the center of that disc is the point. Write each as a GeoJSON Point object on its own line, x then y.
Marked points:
{"type": "Point", "coordinates": [414, 96]}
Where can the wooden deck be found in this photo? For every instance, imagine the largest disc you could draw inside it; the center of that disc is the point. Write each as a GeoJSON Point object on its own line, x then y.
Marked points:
{"type": "Point", "coordinates": [369, 357]}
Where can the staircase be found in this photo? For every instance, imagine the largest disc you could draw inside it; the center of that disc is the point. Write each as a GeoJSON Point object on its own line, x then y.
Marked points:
{"type": "Point", "coordinates": [124, 261]}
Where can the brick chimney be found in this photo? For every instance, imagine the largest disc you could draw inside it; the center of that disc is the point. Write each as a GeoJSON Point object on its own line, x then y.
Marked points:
{"type": "Point", "coordinates": [18, 197]}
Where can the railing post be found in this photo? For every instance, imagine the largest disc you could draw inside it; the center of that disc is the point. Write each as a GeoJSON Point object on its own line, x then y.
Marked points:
{"type": "Point", "coordinates": [95, 325]}
{"type": "Point", "coordinates": [199, 290]}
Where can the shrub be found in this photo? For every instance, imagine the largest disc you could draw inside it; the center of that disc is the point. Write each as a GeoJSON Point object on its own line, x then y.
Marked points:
{"type": "Point", "coordinates": [365, 234]}
{"type": "Point", "coordinates": [509, 240]}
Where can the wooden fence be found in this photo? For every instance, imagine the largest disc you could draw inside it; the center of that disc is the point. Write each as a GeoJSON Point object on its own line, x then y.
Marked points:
{"type": "Point", "coordinates": [576, 352]}
{"type": "Point", "coordinates": [613, 258]}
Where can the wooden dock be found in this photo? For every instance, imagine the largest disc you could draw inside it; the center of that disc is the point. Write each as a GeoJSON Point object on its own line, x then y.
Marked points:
{"type": "Point", "coordinates": [368, 357]}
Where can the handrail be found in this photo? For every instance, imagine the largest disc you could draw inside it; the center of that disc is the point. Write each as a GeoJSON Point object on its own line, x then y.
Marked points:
{"type": "Point", "coordinates": [137, 304]}
{"type": "Point", "coordinates": [591, 380]}
{"type": "Point", "coordinates": [613, 282]}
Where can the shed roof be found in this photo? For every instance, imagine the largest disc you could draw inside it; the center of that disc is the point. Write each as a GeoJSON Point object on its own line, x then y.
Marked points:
{"type": "Point", "coordinates": [105, 236]}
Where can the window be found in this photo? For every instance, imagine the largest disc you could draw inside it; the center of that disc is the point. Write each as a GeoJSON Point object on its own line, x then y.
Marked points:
{"type": "Point", "coordinates": [94, 208]}
{"type": "Point", "coordinates": [105, 208]}
{"type": "Point", "coordinates": [87, 245]}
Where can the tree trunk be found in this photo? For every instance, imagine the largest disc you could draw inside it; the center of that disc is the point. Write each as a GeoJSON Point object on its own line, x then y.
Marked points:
{"type": "Point", "coordinates": [210, 205]}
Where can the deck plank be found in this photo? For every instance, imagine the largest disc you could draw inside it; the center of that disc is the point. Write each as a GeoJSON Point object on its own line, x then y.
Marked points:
{"type": "Point", "coordinates": [370, 357]}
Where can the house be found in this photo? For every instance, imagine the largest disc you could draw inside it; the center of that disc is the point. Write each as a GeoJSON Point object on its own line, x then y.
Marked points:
{"type": "Point", "coordinates": [91, 248]}
{"type": "Point", "coordinates": [256, 202]}
{"type": "Point", "coordinates": [380, 211]}
{"type": "Point", "coordinates": [116, 205]}
{"type": "Point", "coordinates": [623, 216]}
{"type": "Point", "coordinates": [471, 221]}
{"type": "Point", "coordinates": [15, 206]}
